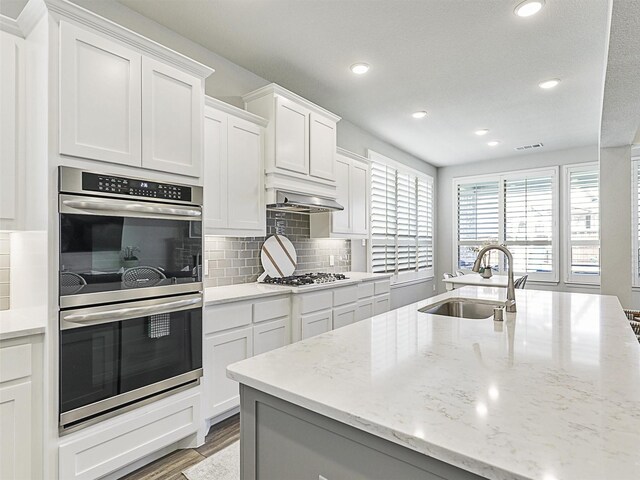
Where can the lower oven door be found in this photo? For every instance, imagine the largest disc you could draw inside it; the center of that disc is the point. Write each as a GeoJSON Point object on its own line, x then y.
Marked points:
{"type": "Point", "coordinates": [116, 355]}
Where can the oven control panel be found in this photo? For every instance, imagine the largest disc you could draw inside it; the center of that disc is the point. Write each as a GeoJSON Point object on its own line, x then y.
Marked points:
{"type": "Point", "coordinates": [134, 187]}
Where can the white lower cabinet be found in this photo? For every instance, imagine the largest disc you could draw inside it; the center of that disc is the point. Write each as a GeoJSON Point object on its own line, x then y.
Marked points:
{"type": "Point", "coordinates": [373, 298]}
{"type": "Point", "coordinates": [21, 408]}
{"type": "Point", "coordinates": [220, 351]}
{"type": "Point", "coordinates": [315, 323]}
{"type": "Point", "coordinates": [233, 332]}
{"type": "Point", "coordinates": [270, 335]}
{"type": "Point", "coordinates": [381, 304]}
{"type": "Point", "coordinates": [113, 444]}
{"type": "Point", "coordinates": [345, 315]}
{"type": "Point", "coordinates": [364, 309]}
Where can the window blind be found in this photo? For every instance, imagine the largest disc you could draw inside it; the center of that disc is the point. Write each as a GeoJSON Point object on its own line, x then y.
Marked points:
{"type": "Point", "coordinates": [584, 221]}
{"type": "Point", "coordinates": [401, 221]}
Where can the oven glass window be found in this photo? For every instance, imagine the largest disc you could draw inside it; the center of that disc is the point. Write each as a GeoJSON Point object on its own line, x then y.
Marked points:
{"type": "Point", "coordinates": [98, 362]}
{"type": "Point", "coordinates": [107, 253]}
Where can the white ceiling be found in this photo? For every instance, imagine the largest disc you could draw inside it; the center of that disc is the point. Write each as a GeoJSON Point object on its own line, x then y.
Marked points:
{"type": "Point", "coordinates": [470, 63]}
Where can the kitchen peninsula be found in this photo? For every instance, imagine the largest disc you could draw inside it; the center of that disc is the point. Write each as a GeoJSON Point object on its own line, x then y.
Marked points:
{"type": "Point", "coordinates": [551, 393]}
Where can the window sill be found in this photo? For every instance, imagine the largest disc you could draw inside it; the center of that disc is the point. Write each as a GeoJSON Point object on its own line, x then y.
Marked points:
{"type": "Point", "coordinates": [576, 283]}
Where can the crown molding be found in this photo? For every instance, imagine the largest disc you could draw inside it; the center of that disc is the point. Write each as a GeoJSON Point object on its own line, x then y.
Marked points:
{"type": "Point", "coordinates": [235, 111]}
{"type": "Point", "coordinates": [30, 15]}
{"type": "Point", "coordinates": [9, 25]}
{"type": "Point", "coordinates": [275, 89]}
{"type": "Point", "coordinates": [70, 11]}
{"type": "Point", "coordinates": [352, 155]}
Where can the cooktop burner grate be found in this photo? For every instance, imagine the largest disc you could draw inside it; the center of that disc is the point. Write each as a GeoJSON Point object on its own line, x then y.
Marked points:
{"type": "Point", "coordinates": [305, 279]}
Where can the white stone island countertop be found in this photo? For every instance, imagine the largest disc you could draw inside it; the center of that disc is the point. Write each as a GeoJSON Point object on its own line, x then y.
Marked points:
{"type": "Point", "coordinates": [551, 393]}
{"type": "Point", "coordinates": [249, 291]}
{"type": "Point", "coordinates": [22, 322]}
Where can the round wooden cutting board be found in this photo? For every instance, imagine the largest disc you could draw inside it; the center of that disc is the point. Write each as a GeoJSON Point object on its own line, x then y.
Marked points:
{"type": "Point", "coordinates": [278, 256]}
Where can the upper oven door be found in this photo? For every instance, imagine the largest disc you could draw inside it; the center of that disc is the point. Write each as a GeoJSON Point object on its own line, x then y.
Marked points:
{"type": "Point", "coordinates": [114, 250]}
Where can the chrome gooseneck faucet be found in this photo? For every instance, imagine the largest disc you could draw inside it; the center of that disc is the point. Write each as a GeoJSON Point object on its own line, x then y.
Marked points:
{"type": "Point", "coordinates": [511, 291]}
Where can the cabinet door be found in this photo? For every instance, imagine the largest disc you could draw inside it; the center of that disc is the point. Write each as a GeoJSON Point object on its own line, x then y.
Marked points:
{"type": "Point", "coordinates": [172, 116]}
{"type": "Point", "coordinates": [245, 176]}
{"type": "Point", "coordinates": [343, 316]}
{"type": "Point", "coordinates": [221, 393]}
{"type": "Point", "coordinates": [215, 170]}
{"type": "Point", "coordinates": [322, 143]}
{"type": "Point", "coordinates": [359, 190]}
{"type": "Point", "coordinates": [365, 309]}
{"type": "Point", "coordinates": [15, 425]}
{"type": "Point", "coordinates": [292, 136]}
{"type": "Point", "coordinates": [100, 98]}
{"type": "Point", "coordinates": [271, 335]}
{"type": "Point", "coordinates": [316, 323]}
{"type": "Point", "coordinates": [341, 221]}
{"type": "Point", "coordinates": [11, 128]}
{"type": "Point", "coordinates": [381, 304]}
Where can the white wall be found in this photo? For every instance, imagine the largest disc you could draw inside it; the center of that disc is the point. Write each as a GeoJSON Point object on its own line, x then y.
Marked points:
{"type": "Point", "coordinates": [446, 206]}
{"type": "Point", "coordinates": [616, 225]}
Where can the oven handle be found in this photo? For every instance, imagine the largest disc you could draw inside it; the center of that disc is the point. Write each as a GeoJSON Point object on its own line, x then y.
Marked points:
{"type": "Point", "coordinates": [102, 205]}
{"type": "Point", "coordinates": [76, 320]}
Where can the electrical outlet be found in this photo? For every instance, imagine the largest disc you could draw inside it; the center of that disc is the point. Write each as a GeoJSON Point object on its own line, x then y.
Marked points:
{"type": "Point", "coordinates": [206, 268]}
{"type": "Point", "coordinates": [332, 260]}
{"type": "Point", "coordinates": [434, 288]}
{"type": "Point", "coordinates": [364, 242]}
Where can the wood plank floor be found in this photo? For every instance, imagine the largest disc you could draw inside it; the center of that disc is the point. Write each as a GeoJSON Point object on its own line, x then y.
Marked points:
{"type": "Point", "coordinates": [170, 466]}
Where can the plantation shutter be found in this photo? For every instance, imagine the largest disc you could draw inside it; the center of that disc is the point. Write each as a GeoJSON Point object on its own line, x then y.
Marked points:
{"type": "Point", "coordinates": [584, 221]}
{"type": "Point", "coordinates": [425, 223]}
{"type": "Point", "coordinates": [528, 222]}
{"type": "Point", "coordinates": [383, 218]}
{"type": "Point", "coordinates": [478, 218]}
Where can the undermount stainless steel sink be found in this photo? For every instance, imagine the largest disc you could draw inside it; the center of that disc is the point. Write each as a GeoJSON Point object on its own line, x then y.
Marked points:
{"type": "Point", "coordinates": [463, 308]}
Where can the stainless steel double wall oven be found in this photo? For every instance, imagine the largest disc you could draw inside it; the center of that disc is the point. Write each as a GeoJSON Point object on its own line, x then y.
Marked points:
{"type": "Point", "coordinates": [130, 292]}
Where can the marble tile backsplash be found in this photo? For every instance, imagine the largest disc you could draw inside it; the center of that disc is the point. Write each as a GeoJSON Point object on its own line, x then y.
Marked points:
{"type": "Point", "coordinates": [4, 271]}
{"type": "Point", "coordinates": [233, 260]}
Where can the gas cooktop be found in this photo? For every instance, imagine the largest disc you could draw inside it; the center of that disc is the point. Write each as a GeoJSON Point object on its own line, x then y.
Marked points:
{"type": "Point", "coordinates": [305, 279]}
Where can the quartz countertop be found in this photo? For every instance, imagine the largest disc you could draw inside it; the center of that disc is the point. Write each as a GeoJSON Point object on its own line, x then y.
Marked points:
{"type": "Point", "coordinates": [551, 393]}
{"type": "Point", "coordinates": [249, 291]}
{"type": "Point", "coordinates": [22, 322]}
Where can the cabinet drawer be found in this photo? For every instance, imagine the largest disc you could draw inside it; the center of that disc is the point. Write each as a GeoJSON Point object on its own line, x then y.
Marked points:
{"type": "Point", "coordinates": [110, 446]}
{"type": "Point", "coordinates": [224, 317]}
{"type": "Point", "coordinates": [312, 302]}
{"type": "Point", "coordinates": [271, 309]}
{"type": "Point", "coordinates": [344, 295]}
{"type": "Point", "coordinates": [343, 316]}
{"type": "Point", "coordinates": [382, 287]}
{"type": "Point", "coordinates": [15, 362]}
{"type": "Point", "coordinates": [365, 289]}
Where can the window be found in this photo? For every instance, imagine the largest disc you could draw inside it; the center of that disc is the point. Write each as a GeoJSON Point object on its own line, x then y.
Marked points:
{"type": "Point", "coordinates": [518, 210]}
{"type": "Point", "coordinates": [582, 225]}
{"type": "Point", "coordinates": [636, 219]}
{"type": "Point", "coordinates": [401, 220]}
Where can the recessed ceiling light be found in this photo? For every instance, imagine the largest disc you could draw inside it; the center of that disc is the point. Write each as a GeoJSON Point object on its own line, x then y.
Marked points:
{"type": "Point", "coordinates": [420, 114]}
{"type": "Point", "coordinates": [493, 143]}
{"type": "Point", "coordinates": [529, 7]}
{"type": "Point", "coordinates": [359, 68]}
{"type": "Point", "coordinates": [482, 131]}
{"type": "Point", "coordinates": [552, 82]}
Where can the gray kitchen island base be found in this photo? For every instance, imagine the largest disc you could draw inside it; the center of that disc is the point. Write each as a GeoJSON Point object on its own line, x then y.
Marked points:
{"type": "Point", "coordinates": [282, 441]}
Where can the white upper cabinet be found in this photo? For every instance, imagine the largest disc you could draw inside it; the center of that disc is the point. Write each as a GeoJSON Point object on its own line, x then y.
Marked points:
{"type": "Point", "coordinates": [172, 113]}
{"type": "Point", "coordinates": [12, 146]}
{"type": "Point", "coordinates": [100, 98]}
{"type": "Point", "coordinates": [300, 142]}
{"type": "Point", "coordinates": [234, 203]}
{"type": "Point", "coordinates": [245, 175]}
{"type": "Point", "coordinates": [322, 147]}
{"type": "Point", "coordinates": [292, 136]}
{"type": "Point", "coordinates": [120, 102]}
{"type": "Point", "coordinates": [352, 192]}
